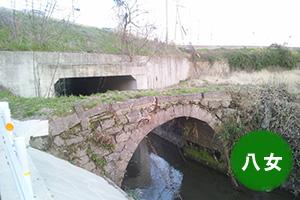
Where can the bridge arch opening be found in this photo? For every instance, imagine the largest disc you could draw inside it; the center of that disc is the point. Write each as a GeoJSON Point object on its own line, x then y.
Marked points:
{"type": "Point", "coordinates": [163, 151]}
{"type": "Point", "coordinates": [90, 85]}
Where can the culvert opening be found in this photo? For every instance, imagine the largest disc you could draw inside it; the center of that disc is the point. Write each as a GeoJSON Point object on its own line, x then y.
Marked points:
{"type": "Point", "coordinates": [91, 85]}
{"type": "Point", "coordinates": [161, 168]}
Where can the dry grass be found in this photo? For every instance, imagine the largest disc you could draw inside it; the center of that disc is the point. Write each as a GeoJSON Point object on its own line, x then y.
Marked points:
{"type": "Point", "coordinates": [289, 78]}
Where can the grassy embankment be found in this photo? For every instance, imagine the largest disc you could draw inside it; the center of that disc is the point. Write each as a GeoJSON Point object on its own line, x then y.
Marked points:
{"type": "Point", "coordinates": [32, 34]}
{"type": "Point", "coordinates": [26, 33]}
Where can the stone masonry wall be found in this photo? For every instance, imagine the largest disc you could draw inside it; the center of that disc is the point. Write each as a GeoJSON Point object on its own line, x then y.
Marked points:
{"type": "Point", "coordinates": [103, 139]}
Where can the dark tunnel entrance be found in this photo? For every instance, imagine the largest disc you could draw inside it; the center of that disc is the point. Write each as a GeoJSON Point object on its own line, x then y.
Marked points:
{"type": "Point", "coordinates": [91, 85]}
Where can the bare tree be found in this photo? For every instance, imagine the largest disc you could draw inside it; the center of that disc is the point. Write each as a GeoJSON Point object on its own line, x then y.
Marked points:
{"type": "Point", "coordinates": [15, 29]}
{"type": "Point", "coordinates": [133, 29]}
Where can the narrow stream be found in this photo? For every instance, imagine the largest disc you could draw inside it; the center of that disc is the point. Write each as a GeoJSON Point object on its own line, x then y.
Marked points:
{"type": "Point", "coordinates": [174, 177]}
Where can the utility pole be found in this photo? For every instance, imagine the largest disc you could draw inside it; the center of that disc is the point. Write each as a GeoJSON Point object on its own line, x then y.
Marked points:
{"type": "Point", "coordinates": [178, 23]}
{"type": "Point", "coordinates": [73, 11]}
{"type": "Point", "coordinates": [167, 24]}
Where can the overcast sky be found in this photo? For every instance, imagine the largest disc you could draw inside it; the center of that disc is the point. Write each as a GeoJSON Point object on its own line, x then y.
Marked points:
{"type": "Point", "coordinates": [207, 22]}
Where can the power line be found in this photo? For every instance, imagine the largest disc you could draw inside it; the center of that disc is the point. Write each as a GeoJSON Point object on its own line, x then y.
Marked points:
{"type": "Point", "coordinates": [167, 21]}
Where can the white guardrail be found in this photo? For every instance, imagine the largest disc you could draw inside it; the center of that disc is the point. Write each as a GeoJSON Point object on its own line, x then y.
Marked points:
{"type": "Point", "coordinates": [16, 153]}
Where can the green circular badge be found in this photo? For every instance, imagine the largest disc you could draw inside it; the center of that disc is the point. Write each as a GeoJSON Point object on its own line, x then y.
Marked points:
{"type": "Point", "coordinates": [261, 160]}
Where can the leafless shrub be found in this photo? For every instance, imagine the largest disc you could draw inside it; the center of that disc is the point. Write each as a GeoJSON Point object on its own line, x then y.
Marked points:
{"type": "Point", "coordinates": [274, 109]}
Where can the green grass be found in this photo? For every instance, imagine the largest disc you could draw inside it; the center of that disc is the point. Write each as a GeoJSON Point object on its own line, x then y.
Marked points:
{"type": "Point", "coordinates": [60, 106]}
{"type": "Point", "coordinates": [133, 194]}
{"type": "Point", "coordinates": [204, 157]}
{"type": "Point", "coordinates": [64, 37]}
{"type": "Point", "coordinates": [253, 58]}
{"type": "Point", "coordinates": [99, 161]}
{"type": "Point", "coordinates": [26, 107]}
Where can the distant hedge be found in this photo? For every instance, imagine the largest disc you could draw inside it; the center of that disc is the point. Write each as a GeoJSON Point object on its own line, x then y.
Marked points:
{"type": "Point", "coordinates": [254, 58]}
{"type": "Point", "coordinates": [257, 59]}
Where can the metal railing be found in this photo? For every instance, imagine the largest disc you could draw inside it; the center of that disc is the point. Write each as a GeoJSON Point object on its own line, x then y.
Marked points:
{"type": "Point", "coordinates": [16, 153]}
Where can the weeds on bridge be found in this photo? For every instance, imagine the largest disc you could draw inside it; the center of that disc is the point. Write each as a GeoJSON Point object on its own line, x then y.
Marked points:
{"type": "Point", "coordinates": [99, 161]}
{"type": "Point", "coordinates": [36, 107]}
{"type": "Point", "coordinates": [39, 107]}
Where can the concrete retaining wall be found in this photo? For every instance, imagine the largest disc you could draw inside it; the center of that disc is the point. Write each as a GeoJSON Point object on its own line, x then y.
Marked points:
{"type": "Point", "coordinates": [32, 74]}
{"type": "Point", "coordinates": [205, 68]}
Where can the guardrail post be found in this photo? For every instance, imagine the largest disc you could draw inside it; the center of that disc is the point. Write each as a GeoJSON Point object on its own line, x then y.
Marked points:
{"type": "Point", "coordinates": [21, 151]}
{"type": "Point", "coordinates": [6, 116]}
{"type": "Point", "coordinates": [16, 152]}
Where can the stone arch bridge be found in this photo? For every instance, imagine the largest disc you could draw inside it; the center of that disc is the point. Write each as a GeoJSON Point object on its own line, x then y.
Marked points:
{"type": "Point", "coordinates": [103, 139]}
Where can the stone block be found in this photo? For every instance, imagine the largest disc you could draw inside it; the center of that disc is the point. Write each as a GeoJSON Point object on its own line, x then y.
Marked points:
{"type": "Point", "coordinates": [122, 137]}
{"type": "Point", "coordinates": [119, 146]}
{"type": "Point", "coordinates": [150, 108]}
{"type": "Point", "coordinates": [215, 95]}
{"type": "Point", "coordinates": [71, 120]}
{"type": "Point", "coordinates": [226, 102]}
{"type": "Point", "coordinates": [121, 119]}
{"type": "Point", "coordinates": [98, 110]}
{"type": "Point", "coordinates": [139, 134]}
{"type": "Point", "coordinates": [205, 102]}
{"type": "Point", "coordinates": [166, 99]}
{"type": "Point", "coordinates": [113, 130]}
{"type": "Point", "coordinates": [127, 105]}
{"type": "Point", "coordinates": [85, 123]}
{"type": "Point", "coordinates": [187, 110]}
{"type": "Point", "coordinates": [214, 104]}
{"type": "Point", "coordinates": [56, 127]}
{"type": "Point", "coordinates": [74, 140]}
{"type": "Point", "coordinates": [179, 110]}
{"type": "Point", "coordinates": [81, 152]}
{"type": "Point", "coordinates": [83, 160]}
{"type": "Point", "coordinates": [58, 141]}
{"type": "Point", "coordinates": [110, 169]}
{"type": "Point", "coordinates": [59, 125]}
{"type": "Point", "coordinates": [79, 110]}
{"type": "Point", "coordinates": [108, 123]}
{"type": "Point", "coordinates": [89, 166]}
{"type": "Point", "coordinates": [41, 143]}
{"type": "Point", "coordinates": [129, 127]}
{"type": "Point", "coordinates": [112, 157]}
{"type": "Point", "coordinates": [193, 97]}
{"type": "Point", "coordinates": [131, 146]}
{"type": "Point", "coordinates": [134, 116]}
{"type": "Point", "coordinates": [100, 151]}
{"type": "Point", "coordinates": [194, 110]}
{"type": "Point", "coordinates": [85, 133]}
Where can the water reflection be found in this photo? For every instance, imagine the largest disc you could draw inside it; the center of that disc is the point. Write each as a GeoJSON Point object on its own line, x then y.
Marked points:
{"type": "Point", "coordinates": [165, 181]}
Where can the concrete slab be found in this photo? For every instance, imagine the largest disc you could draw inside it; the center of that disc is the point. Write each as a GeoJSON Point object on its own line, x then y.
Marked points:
{"type": "Point", "coordinates": [56, 179]}
{"type": "Point", "coordinates": [8, 188]}
{"type": "Point", "coordinates": [66, 181]}
{"type": "Point", "coordinates": [30, 128]}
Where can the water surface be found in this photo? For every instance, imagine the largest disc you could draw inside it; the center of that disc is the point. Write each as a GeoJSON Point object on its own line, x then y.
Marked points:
{"type": "Point", "coordinates": [174, 177]}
